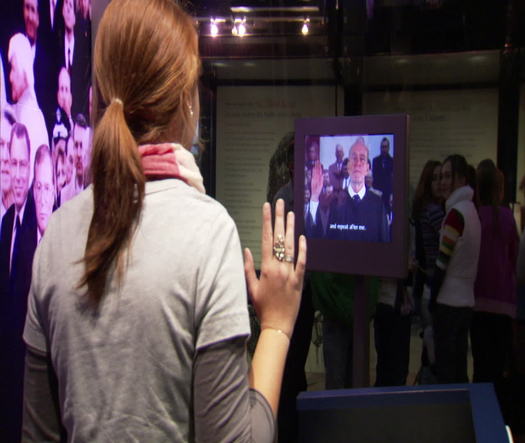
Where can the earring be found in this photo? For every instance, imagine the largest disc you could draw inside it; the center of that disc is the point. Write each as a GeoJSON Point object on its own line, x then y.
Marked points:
{"type": "Point", "coordinates": [191, 110]}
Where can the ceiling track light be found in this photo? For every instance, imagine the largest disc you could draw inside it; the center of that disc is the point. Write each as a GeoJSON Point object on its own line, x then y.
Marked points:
{"type": "Point", "coordinates": [218, 26]}
{"type": "Point", "coordinates": [305, 29]}
{"type": "Point", "coordinates": [214, 28]}
{"type": "Point", "coordinates": [239, 27]}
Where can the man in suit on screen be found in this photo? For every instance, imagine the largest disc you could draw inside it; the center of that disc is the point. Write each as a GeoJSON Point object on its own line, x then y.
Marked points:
{"type": "Point", "coordinates": [382, 172]}
{"type": "Point", "coordinates": [336, 169]}
{"type": "Point", "coordinates": [19, 233]}
{"type": "Point", "coordinates": [355, 213]}
{"type": "Point", "coordinates": [18, 238]}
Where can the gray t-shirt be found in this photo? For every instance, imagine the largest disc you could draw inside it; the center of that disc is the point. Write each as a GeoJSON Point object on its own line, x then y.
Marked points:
{"type": "Point", "coordinates": [125, 371]}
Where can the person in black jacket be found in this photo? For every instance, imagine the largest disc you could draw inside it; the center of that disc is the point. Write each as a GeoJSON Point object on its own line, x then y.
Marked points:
{"type": "Point", "coordinates": [382, 171]}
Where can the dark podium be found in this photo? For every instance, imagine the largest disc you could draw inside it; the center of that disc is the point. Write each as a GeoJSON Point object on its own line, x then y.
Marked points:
{"type": "Point", "coordinates": [409, 414]}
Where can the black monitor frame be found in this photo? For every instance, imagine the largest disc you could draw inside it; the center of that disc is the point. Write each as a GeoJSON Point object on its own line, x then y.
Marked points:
{"type": "Point", "coordinates": [388, 259]}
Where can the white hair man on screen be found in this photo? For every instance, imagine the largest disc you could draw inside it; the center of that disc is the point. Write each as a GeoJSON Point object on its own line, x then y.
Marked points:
{"type": "Point", "coordinates": [25, 105]}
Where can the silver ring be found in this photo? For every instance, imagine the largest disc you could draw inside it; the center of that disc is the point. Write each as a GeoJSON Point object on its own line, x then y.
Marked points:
{"type": "Point", "coordinates": [288, 258]}
{"type": "Point", "coordinates": [278, 248]}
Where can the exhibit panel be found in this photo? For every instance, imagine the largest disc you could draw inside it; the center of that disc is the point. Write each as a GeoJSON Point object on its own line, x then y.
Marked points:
{"type": "Point", "coordinates": [443, 122]}
{"type": "Point", "coordinates": [251, 120]}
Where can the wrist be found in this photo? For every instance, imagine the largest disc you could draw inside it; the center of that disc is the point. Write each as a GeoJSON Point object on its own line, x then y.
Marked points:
{"type": "Point", "coordinates": [283, 332]}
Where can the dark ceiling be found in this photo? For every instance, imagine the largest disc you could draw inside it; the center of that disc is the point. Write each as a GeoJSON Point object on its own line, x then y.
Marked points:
{"type": "Point", "coordinates": [359, 27]}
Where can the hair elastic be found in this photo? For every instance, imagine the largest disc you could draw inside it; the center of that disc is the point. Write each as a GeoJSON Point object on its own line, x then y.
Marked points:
{"type": "Point", "coordinates": [117, 100]}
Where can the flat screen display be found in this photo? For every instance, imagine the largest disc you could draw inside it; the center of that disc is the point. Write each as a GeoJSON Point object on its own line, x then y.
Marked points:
{"type": "Point", "coordinates": [351, 185]}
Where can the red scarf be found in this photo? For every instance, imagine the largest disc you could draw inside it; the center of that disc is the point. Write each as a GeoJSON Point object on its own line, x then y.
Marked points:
{"type": "Point", "coordinates": [171, 160]}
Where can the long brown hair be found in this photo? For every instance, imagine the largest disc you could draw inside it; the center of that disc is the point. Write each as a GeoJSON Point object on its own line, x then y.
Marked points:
{"type": "Point", "coordinates": [423, 194]}
{"type": "Point", "coordinates": [146, 67]}
{"type": "Point", "coordinates": [490, 189]}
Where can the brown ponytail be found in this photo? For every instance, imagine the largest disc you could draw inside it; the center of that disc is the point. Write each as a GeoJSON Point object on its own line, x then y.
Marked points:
{"type": "Point", "coordinates": [146, 67]}
{"type": "Point", "coordinates": [118, 191]}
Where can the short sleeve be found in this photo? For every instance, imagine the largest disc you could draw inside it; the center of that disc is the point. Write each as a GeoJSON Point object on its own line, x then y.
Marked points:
{"type": "Point", "coordinates": [221, 310]}
{"type": "Point", "coordinates": [34, 335]}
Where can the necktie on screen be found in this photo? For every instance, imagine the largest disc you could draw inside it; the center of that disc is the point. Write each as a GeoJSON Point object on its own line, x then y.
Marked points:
{"type": "Point", "coordinates": [16, 246]}
{"type": "Point", "coordinates": [356, 198]}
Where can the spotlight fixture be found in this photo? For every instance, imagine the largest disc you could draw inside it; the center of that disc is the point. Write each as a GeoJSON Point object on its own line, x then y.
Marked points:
{"type": "Point", "coordinates": [239, 27]}
{"type": "Point", "coordinates": [214, 28]}
{"type": "Point", "coordinates": [242, 29]}
{"type": "Point", "coordinates": [305, 29]}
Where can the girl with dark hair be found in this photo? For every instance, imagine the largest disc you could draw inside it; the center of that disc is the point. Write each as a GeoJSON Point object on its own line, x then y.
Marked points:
{"type": "Point", "coordinates": [452, 297]}
{"type": "Point", "coordinates": [137, 319]}
{"type": "Point", "coordinates": [495, 286]}
{"type": "Point", "coordinates": [427, 215]}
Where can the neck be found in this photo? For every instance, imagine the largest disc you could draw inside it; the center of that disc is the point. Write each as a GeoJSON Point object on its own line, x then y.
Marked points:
{"type": "Point", "coordinates": [80, 180]}
{"type": "Point", "coordinates": [69, 34]}
{"type": "Point", "coordinates": [357, 187]}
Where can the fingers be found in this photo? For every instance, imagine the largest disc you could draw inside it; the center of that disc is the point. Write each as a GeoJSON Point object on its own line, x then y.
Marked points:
{"type": "Point", "coordinates": [279, 220]}
{"type": "Point", "coordinates": [249, 272]}
{"type": "Point", "coordinates": [318, 169]}
{"type": "Point", "coordinates": [301, 259]}
{"type": "Point", "coordinates": [289, 237]}
{"type": "Point", "coordinates": [267, 235]}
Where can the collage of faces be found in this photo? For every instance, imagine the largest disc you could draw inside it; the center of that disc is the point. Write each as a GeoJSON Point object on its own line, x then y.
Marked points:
{"type": "Point", "coordinates": [45, 107]}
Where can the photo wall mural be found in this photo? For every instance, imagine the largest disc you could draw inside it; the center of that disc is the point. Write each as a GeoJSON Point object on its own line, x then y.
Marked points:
{"type": "Point", "coordinates": [45, 145]}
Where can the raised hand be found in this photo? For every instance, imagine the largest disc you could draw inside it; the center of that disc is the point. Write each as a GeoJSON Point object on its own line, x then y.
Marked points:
{"type": "Point", "coordinates": [276, 295]}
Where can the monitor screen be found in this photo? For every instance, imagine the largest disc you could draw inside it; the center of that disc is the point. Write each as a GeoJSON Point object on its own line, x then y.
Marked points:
{"type": "Point", "coordinates": [351, 185]}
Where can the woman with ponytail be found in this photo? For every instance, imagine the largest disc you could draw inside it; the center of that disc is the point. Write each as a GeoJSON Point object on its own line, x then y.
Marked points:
{"type": "Point", "coordinates": [137, 318]}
